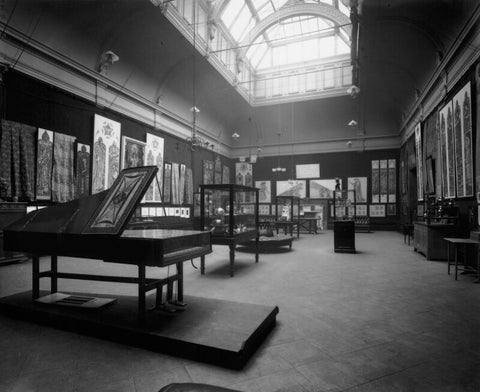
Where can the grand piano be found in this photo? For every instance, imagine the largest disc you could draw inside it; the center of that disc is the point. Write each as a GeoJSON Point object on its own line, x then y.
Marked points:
{"type": "Point", "coordinates": [94, 228]}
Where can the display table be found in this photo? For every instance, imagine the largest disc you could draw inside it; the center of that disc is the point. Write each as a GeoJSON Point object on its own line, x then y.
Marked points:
{"type": "Point", "coordinates": [458, 243]}
{"type": "Point", "coordinates": [288, 227]}
{"type": "Point", "coordinates": [428, 239]}
{"type": "Point", "coordinates": [309, 224]}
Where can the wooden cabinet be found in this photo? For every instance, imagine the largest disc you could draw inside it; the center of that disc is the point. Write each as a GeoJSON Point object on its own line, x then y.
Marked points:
{"type": "Point", "coordinates": [428, 239]}
{"type": "Point", "coordinates": [10, 212]}
{"type": "Point", "coordinates": [344, 236]}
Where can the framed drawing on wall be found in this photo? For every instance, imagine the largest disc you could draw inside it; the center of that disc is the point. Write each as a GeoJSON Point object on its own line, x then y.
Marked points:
{"type": "Point", "coordinates": [359, 185]}
{"type": "Point", "coordinates": [462, 128]}
{"type": "Point", "coordinates": [447, 150]}
{"type": "Point", "coordinates": [419, 161]}
{"type": "Point", "coordinates": [207, 172]}
{"type": "Point", "coordinates": [323, 189]}
{"type": "Point", "coordinates": [167, 182]}
{"type": "Point", "coordinates": [133, 153]}
{"type": "Point", "coordinates": [154, 156]}
{"type": "Point", "coordinates": [375, 181]}
{"type": "Point", "coordinates": [430, 177]}
{"type": "Point", "coordinates": [265, 191]}
{"type": "Point", "coordinates": [106, 153]}
{"type": "Point", "coordinates": [292, 188]}
{"type": "Point", "coordinates": [311, 170]}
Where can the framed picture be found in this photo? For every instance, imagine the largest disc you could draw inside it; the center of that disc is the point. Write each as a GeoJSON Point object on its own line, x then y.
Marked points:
{"type": "Point", "coordinates": [218, 171]}
{"type": "Point", "coordinates": [225, 175]}
{"type": "Point", "coordinates": [391, 209]}
{"type": "Point", "coordinates": [44, 164]}
{"type": "Point", "coordinates": [292, 188]}
{"type": "Point", "coordinates": [447, 151]}
{"type": "Point", "coordinates": [121, 200]}
{"type": "Point", "coordinates": [154, 156]}
{"type": "Point", "coordinates": [133, 153]}
{"type": "Point", "coordinates": [359, 185]}
{"type": "Point", "coordinates": [265, 191]}
{"type": "Point", "coordinates": [361, 210]}
{"type": "Point", "coordinates": [462, 128]}
{"type": "Point", "coordinates": [377, 210]}
{"type": "Point", "coordinates": [83, 170]}
{"type": "Point", "coordinates": [307, 171]}
{"type": "Point", "coordinates": [106, 153]}
{"type": "Point", "coordinates": [264, 209]}
{"type": "Point", "coordinates": [167, 182]}
{"type": "Point", "coordinates": [430, 177]}
{"type": "Point", "coordinates": [323, 189]}
{"type": "Point", "coordinates": [207, 172]}
{"type": "Point", "coordinates": [175, 199]}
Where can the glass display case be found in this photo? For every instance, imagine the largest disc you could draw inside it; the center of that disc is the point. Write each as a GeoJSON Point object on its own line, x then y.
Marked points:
{"type": "Point", "coordinates": [287, 214]}
{"type": "Point", "coordinates": [344, 205]}
{"type": "Point", "coordinates": [229, 210]}
{"type": "Point", "coordinates": [287, 208]}
{"type": "Point", "coordinates": [230, 213]}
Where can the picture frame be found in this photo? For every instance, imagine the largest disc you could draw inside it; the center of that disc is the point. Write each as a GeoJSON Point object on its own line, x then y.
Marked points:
{"type": "Point", "coordinates": [391, 209]}
{"type": "Point", "coordinates": [265, 191]}
{"type": "Point", "coordinates": [307, 171]}
{"type": "Point", "coordinates": [133, 152]}
{"type": "Point", "coordinates": [430, 177]}
{"type": "Point", "coordinates": [167, 182]}
{"type": "Point", "coordinates": [120, 201]}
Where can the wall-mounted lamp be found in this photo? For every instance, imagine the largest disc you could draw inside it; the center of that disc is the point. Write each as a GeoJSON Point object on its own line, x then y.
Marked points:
{"type": "Point", "coordinates": [353, 91]}
{"type": "Point", "coordinates": [194, 109]}
{"type": "Point", "coordinates": [235, 135]}
{"type": "Point", "coordinates": [352, 123]}
{"type": "Point", "coordinates": [107, 59]}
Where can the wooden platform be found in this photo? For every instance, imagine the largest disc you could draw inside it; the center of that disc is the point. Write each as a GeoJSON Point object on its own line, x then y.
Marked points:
{"type": "Point", "coordinates": [223, 333]}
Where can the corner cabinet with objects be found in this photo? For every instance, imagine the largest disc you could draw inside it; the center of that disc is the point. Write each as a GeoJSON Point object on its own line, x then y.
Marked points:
{"type": "Point", "coordinates": [428, 239]}
{"type": "Point", "coordinates": [440, 221]}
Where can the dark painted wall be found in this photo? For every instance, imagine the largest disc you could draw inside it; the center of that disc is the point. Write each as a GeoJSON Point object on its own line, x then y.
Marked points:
{"type": "Point", "coordinates": [35, 103]}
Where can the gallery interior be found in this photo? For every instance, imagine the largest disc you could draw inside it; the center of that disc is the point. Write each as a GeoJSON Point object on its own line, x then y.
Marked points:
{"type": "Point", "coordinates": [246, 195]}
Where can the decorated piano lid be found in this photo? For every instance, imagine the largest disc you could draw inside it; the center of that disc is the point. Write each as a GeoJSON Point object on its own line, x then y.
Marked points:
{"type": "Point", "coordinates": [106, 212]}
{"type": "Point", "coordinates": [119, 203]}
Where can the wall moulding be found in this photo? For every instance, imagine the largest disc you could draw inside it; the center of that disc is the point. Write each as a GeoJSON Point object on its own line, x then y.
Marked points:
{"type": "Point", "coordinates": [47, 65]}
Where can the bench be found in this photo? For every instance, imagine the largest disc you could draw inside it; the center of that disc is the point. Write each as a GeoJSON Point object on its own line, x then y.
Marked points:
{"type": "Point", "coordinates": [362, 224]}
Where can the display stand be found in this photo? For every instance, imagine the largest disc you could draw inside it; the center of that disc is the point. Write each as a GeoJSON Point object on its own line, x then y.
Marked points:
{"type": "Point", "coordinates": [10, 212]}
{"type": "Point", "coordinates": [287, 214]}
{"type": "Point", "coordinates": [230, 213]}
{"type": "Point", "coordinates": [344, 221]}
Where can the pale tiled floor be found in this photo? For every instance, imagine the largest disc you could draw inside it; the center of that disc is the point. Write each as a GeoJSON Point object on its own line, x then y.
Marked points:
{"type": "Point", "coordinates": [384, 319]}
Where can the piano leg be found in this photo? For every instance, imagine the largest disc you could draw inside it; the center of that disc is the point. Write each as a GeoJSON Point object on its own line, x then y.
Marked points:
{"type": "Point", "coordinates": [53, 278]}
{"type": "Point", "coordinates": [142, 314]}
{"type": "Point", "coordinates": [35, 277]}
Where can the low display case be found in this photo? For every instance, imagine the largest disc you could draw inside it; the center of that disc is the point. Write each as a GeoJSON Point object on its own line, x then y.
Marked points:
{"type": "Point", "coordinates": [287, 214]}
{"type": "Point", "coordinates": [230, 213]}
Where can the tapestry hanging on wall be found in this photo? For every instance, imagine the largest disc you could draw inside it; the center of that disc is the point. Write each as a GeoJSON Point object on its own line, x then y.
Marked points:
{"type": "Point", "coordinates": [265, 191]}
{"type": "Point", "coordinates": [133, 153]}
{"type": "Point", "coordinates": [226, 175]}
{"type": "Point", "coordinates": [447, 151]}
{"type": "Point", "coordinates": [63, 179]}
{"type": "Point", "coordinates": [359, 185]}
{"type": "Point", "coordinates": [175, 183]}
{"type": "Point", "coordinates": [167, 182]}
{"type": "Point", "coordinates": [106, 153]}
{"type": "Point", "coordinates": [218, 170]}
{"type": "Point", "coordinates": [83, 170]}
{"type": "Point", "coordinates": [418, 150]}
{"type": "Point", "coordinates": [183, 170]}
{"type": "Point", "coordinates": [188, 186]}
{"type": "Point", "coordinates": [17, 160]}
{"type": "Point", "coordinates": [462, 125]}
{"type": "Point", "coordinates": [323, 189]}
{"type": "Point", "coordinates": [383, 181]}
{"type": "Point", "coordinates": [154, 157]}
{"type": "Point", "coordinates": [207, 172]}
{"type": "Point", "coordinates": [392, 181]}
{"type": "Point", "coordinates": [375, 181]}
{"type": "Point", "coordinates": [44, 164]}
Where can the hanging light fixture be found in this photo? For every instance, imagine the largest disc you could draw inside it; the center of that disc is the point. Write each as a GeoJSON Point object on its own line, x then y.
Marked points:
{"type": "Point", "coordinates": [278, 168]}
{"type": "Point", "coordinates": [195, 140]}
